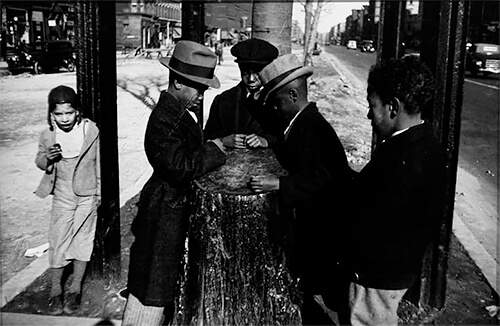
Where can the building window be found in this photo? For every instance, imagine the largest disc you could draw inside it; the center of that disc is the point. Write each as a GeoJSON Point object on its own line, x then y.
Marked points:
{"type": "Point", "coordinates": [125, 27]}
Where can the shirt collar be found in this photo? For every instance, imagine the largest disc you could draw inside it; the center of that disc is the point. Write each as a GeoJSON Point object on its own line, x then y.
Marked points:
{"type": "Point", "coordinates": [193, 115]}
{"type": "Point", "coordinates": [402, 130]}
{"type": "Point", "coordinates": [292, 121]}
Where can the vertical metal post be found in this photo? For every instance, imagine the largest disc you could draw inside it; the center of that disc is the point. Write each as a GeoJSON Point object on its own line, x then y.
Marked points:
{"type": "Point", "coordinates": [193, 29]}
{"type": "Point", "coordinates": [389, 36]}
{"type": "Point", "coordinates": [390, 30]}
{"type": "Point", "coordinates": [96, 84]}
{"type": "Point", "coordinates": [444, 30]}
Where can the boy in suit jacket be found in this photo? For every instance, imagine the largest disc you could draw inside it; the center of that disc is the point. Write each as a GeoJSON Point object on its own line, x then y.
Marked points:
{"type": "Point", "coordinates": [176, 149]}
{"type": "Point", "coordinates": [311, 152]}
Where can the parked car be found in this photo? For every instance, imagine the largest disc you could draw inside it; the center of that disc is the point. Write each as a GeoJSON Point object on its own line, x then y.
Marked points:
{"type": "Point", "coordinates": [366, 46]}
{"type": "Point", "coordinates": [482, 57]}
{"type": "Point", "coordinates": [42, 56]}
{"type": "Point", "coordinates": [352, 45]}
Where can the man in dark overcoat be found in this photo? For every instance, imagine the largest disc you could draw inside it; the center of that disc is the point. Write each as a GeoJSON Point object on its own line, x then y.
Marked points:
{"type": "Point", "coordinates": [311, 152]}
{"type": "Point", "coordinates": [176, 149]}
{"type": "Point", "coordinates": [235, 115]}
{"type": "Point", "coordinates": [398, 194]}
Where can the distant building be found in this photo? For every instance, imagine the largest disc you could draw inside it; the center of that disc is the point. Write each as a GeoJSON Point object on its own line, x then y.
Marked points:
{"type": "Point", "coordinates": [24, 22]}
{"type": "Point", "coordinates": [484, 22]}
{"type": "Point", "coordinates": [147, 23]}
{"type": "Point", "coordinates": [28, 21]}
{"type": "Point", "coordinates": [227, 22]}
{"type": "Point", "coordinates": [336, 33]}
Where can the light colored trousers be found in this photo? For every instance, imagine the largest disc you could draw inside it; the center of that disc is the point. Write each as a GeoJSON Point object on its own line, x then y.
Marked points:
{"type": "Point", "coordinates": [137, 314]}
{"type": "Point", "coordinates": [374, 306]}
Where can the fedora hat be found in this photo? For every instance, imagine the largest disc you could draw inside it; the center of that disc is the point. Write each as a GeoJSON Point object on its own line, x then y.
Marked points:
{"type": "Point", "coordinates": [254, 51]}
{"type": "Point", "coordinates": [194, 62]}
{"type": "Point", "coordinates": [280, 72]}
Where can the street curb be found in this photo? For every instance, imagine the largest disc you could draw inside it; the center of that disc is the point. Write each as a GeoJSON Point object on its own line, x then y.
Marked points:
{"type": "Point", "coordinates": [12, 319]}
{"type": "Point", "coordinates": [19, 282]}
{"type": "Point", "coordinates": [476, 251]}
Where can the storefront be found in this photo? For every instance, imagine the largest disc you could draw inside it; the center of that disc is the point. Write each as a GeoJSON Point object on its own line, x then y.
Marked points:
{"type": "Point", "coordinates": [23, 23]}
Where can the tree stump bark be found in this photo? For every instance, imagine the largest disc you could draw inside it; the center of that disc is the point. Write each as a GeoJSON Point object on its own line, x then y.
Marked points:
{"type": "Point", "coordinates": [235, 269]}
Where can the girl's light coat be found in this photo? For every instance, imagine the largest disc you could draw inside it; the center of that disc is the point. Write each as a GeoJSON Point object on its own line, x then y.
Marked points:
{"type": "Point", "coordinates": [87, 174]}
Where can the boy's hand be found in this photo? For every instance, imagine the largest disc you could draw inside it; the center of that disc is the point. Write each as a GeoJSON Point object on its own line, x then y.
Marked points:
{"type": "Point", "coordinates": [254, 141]}
{"type": "Point", "coordinates": [234, 141]}
{"type": "Point", "coordinates": [264, 183]}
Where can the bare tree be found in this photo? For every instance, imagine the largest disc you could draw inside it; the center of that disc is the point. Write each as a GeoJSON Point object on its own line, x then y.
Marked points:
{"type": "Point", "coordinates": [311, 28]}
{"type": "Point", "coordinates": [272, 21]}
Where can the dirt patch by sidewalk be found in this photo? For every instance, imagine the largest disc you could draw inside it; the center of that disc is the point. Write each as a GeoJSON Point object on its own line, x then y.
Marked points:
{"type": "Point", "coordinates": [467, 293]}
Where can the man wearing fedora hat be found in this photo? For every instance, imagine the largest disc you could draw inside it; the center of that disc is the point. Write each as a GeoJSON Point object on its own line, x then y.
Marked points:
{"type": "Point", "coordinates": [235, 115]}
{"type": "Point", "coordinates": [312, 192]}
{"type": "Point", "coordinates": [175, 148]}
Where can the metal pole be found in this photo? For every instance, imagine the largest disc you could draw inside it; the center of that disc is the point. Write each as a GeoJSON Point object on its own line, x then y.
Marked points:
{"type": "Point", "coordinates": [96, 84]}
{"type": "Point", "coordinates": [390, 30]}
{"type": "Point", "coordinates": [443, 49]}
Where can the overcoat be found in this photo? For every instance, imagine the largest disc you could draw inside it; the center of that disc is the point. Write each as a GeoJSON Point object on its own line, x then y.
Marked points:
{"type": "Point", "coordinates": [176, 150]}
{"type": "Point", "coordinates": [312, 193]}
{"type": "Point", "coordinates": [234, 112]}
{"type": "Point", "coordinates": [398, 208]}
{"type": "Point", "coordinates": [87, 175]}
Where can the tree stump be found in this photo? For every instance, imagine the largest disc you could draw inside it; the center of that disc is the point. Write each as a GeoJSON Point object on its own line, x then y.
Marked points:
{"type": "Point", "coordinates": [235, 269]}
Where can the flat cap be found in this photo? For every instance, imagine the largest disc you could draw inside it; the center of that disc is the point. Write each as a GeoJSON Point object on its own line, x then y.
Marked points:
{"type": "Point", "coordinates": [254, 51]}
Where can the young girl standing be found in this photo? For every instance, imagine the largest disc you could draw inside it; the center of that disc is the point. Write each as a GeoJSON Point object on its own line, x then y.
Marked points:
{"type": "Point", "coordinates": [68, 152]}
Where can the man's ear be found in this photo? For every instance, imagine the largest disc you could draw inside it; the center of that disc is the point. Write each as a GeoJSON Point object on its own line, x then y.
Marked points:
{"type": "Point", "coordinates": [294, 94]}
{"type": "Point", "coordinates": [395, 107]}
{"type": "Point", "coordinates": [177, 84]}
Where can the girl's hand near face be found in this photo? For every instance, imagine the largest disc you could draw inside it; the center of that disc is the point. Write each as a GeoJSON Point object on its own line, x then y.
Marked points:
{"type": "Point", "coordinates": [54, 154]}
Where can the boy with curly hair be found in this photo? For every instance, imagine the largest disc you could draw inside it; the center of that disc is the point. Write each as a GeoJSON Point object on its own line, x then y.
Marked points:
{"type": "Point", "coordinates": [399, 193]}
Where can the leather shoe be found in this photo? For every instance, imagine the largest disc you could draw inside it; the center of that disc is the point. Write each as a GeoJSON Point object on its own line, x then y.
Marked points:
{"type": "Point", "coordinates": [72, 303]}
{"type": "Point", "coordinates": [55, 305]}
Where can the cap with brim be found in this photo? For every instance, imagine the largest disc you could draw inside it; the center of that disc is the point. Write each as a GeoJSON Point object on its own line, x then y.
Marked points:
{"type": "Point", "coordinates": [193, 61]}
{"type": "Point", "coordinates": [280, 72]}
{"type": "Point", "coordinates": [254, 51]}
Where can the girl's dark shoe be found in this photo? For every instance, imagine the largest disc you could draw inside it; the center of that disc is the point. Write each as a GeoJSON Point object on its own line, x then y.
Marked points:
{"type": "Point", "coordinates": [56, 305]}
{"type": "Point", "coordinates": [72, 303]}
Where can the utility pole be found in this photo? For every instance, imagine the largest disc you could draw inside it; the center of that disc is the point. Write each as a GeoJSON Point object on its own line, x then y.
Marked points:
{"type": "Point", "coordinates": [272, 22]}
{"type": "Point", "coordinates": [193, 29]}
